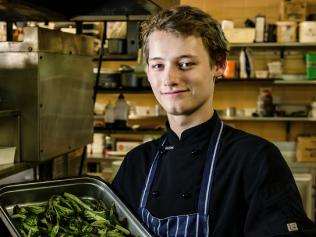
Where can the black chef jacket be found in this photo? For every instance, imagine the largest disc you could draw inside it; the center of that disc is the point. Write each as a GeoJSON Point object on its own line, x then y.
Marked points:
{"type": "Point", "coordinates": [253, 194]}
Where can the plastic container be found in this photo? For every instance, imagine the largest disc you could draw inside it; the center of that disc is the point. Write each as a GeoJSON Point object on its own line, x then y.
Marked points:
{"type": "Point", "coordinates": [230, 71]}
{"type": "Point", "coordinates": [311, 66]}
{"type": "Point", "coordinates": [261, 74]}
{"type": "Point", "coordinates": [307, 32]}
{"type": "Point", "coordinates": [286, 31]}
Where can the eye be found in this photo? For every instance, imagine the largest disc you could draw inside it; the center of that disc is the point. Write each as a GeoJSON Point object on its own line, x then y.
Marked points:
{"type": "Point", "coordinates": [157, 66]}
{"type": "Point", "coordinates": [186, 65]}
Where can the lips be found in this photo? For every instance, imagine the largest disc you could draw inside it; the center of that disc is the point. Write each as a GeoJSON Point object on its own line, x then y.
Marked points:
{"type": "Point", "coordinates": [174, 92]}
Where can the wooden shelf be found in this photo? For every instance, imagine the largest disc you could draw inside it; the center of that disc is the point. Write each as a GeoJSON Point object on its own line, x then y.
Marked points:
{"type": "Point", "coordinates": [272, 45]}
{"type": "Point", "coordinates": [277, 81]}
{"type": "Point", "coordinates": [124, 90]}
{"type": "Point", "coordinates": [270, 119]}
{"type": "Point", "coordinates": [127, 131]}
{"type": "Point", "coordinates": [296, 82]}
{"type": "Point", "coordinates": [243, 80]}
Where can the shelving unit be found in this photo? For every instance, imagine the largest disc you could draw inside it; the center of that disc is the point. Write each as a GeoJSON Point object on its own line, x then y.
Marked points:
{"type": "Point", "coordinates": [125, 90]}
{"type": "Point", "coordinates": [130, 131]}
{"type": "Point", "coordinates": [268, 119]}
{"type": "Point", "coordinates": [7, 125]}
{"type": "Point", "coordinates": [248, 88]}
{"type": "Point", "coordinates": [272, 45]}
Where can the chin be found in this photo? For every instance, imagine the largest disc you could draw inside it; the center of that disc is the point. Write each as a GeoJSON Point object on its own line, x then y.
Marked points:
{"type": "Point", "coordinates": [178, 111]}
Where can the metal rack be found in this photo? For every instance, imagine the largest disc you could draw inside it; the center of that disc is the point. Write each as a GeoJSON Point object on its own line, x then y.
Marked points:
{"type": "Point", "coordinates": [7, 125]}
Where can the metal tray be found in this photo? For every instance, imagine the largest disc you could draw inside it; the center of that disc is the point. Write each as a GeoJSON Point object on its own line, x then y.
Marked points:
{"type": "Point", "coordinates": [85, 187]}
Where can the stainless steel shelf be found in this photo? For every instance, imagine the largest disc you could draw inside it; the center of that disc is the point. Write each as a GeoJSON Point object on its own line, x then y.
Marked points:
{"type": "Point", "coordinates": [9, 113]}
{"type": "Point", "coordinates": [10, 169]}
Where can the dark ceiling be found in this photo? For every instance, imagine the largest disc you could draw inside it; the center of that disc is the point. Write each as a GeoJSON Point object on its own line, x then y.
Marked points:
{"type": "Point", "coordinates": [58, 10]}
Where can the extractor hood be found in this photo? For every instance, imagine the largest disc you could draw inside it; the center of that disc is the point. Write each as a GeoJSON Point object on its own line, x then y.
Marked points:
{"type": "Point", "coordinates": [79, 10]}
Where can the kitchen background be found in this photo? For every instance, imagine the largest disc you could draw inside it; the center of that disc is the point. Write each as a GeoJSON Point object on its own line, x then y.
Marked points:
{"type": "Point", "coordinates": [269, 88]}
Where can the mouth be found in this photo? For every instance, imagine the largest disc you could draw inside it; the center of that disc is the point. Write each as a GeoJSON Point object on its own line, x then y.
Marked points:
{"type": "Point", "coordinates": [175, 92]}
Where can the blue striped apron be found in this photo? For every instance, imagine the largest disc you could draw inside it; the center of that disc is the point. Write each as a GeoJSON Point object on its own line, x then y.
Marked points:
{"type": "Point", "coordinates": [196, 224]}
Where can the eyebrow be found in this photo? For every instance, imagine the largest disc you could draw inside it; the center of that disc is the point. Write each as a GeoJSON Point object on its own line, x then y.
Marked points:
{"type": "Point", "coordinates": [180, 57]}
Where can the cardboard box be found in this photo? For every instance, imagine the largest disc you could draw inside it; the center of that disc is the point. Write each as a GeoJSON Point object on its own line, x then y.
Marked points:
{"type": "Point", "coordinates": [293, 10]}
{"type": "Point", "coordinates": [240, 35]}
{"type": "Point", "coordinates": [306, 149]}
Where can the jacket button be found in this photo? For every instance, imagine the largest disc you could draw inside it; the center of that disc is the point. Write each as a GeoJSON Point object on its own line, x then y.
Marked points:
{"type": "Point", "coordinates": [155, 194]}
{"type": "Point", "coordinates": [186, 195]}
{"type": "Point", "coordinates": [195, 152]}
{"type": "Point", "coordinates": [162, 151]}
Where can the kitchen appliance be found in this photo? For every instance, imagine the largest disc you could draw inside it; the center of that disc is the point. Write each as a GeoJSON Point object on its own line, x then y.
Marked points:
{"type": "Point", "coordinates": [49, 78]}
{"type": "Point", "coordinates": [84, 187]}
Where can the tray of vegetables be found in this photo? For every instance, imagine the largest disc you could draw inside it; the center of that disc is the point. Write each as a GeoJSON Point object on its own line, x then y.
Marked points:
{"type": "Point", "coordinates": [83, 206]}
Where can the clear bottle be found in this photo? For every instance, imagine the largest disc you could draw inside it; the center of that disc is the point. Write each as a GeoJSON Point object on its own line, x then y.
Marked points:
{"type": "Point", "coordinates": [242, 64]}
{"type": "Point", "coordinates": [109, 115]}
{"type": "Point", "coordinates": [121, 112]}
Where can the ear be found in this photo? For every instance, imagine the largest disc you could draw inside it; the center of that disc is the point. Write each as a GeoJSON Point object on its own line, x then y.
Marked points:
{"type": "Point", "coordinates": [219, 69]}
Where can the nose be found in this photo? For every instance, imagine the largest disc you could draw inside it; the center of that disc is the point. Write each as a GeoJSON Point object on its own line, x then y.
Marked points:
{"type": "Point", "coordinates": [171, 76]}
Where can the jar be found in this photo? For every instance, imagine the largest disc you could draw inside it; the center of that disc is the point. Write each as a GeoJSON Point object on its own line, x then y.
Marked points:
{"type": "Point", "coordinates": [313, 106]}
{"type": "Point", "coordinates": [265, 105]}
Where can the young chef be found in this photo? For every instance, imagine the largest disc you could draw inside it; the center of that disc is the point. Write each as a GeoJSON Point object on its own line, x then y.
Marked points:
{"type": "Point", "coordinates": [203, 178]}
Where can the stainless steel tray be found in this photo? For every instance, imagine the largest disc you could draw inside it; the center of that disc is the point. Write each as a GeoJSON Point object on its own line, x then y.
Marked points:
{"type": "Point", "coordinates": [85, 187]}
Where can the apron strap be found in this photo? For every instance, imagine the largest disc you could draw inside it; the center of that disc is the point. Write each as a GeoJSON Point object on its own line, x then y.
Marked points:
{"type": "Point", "coordinates": [207, 180]}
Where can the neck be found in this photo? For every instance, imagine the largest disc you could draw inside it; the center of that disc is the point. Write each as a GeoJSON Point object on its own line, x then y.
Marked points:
{"type": "Point", "coordinates": [179, 123]}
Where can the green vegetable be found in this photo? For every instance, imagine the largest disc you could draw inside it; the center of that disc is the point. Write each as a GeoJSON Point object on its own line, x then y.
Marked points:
{"type": "Point", "coordinates": [68, 216]}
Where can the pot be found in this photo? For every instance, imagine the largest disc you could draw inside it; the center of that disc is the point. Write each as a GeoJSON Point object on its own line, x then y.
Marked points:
{"type": "Point", "coordinates": [116, 46]}
{"type": "Point", "coordinates": [128, 77]}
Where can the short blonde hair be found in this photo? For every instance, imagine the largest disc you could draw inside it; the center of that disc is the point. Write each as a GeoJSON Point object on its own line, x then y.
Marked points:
{"type": "Point", "coordinates": [187, 21]}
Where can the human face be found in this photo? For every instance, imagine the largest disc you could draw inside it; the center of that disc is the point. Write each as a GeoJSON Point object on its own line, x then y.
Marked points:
{"type": "Point", "coordinates": [181, 74]}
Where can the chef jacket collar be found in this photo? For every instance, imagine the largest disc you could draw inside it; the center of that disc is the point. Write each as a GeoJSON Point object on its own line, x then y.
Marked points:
{"type": "Point", "coordinates": [193, 135]}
